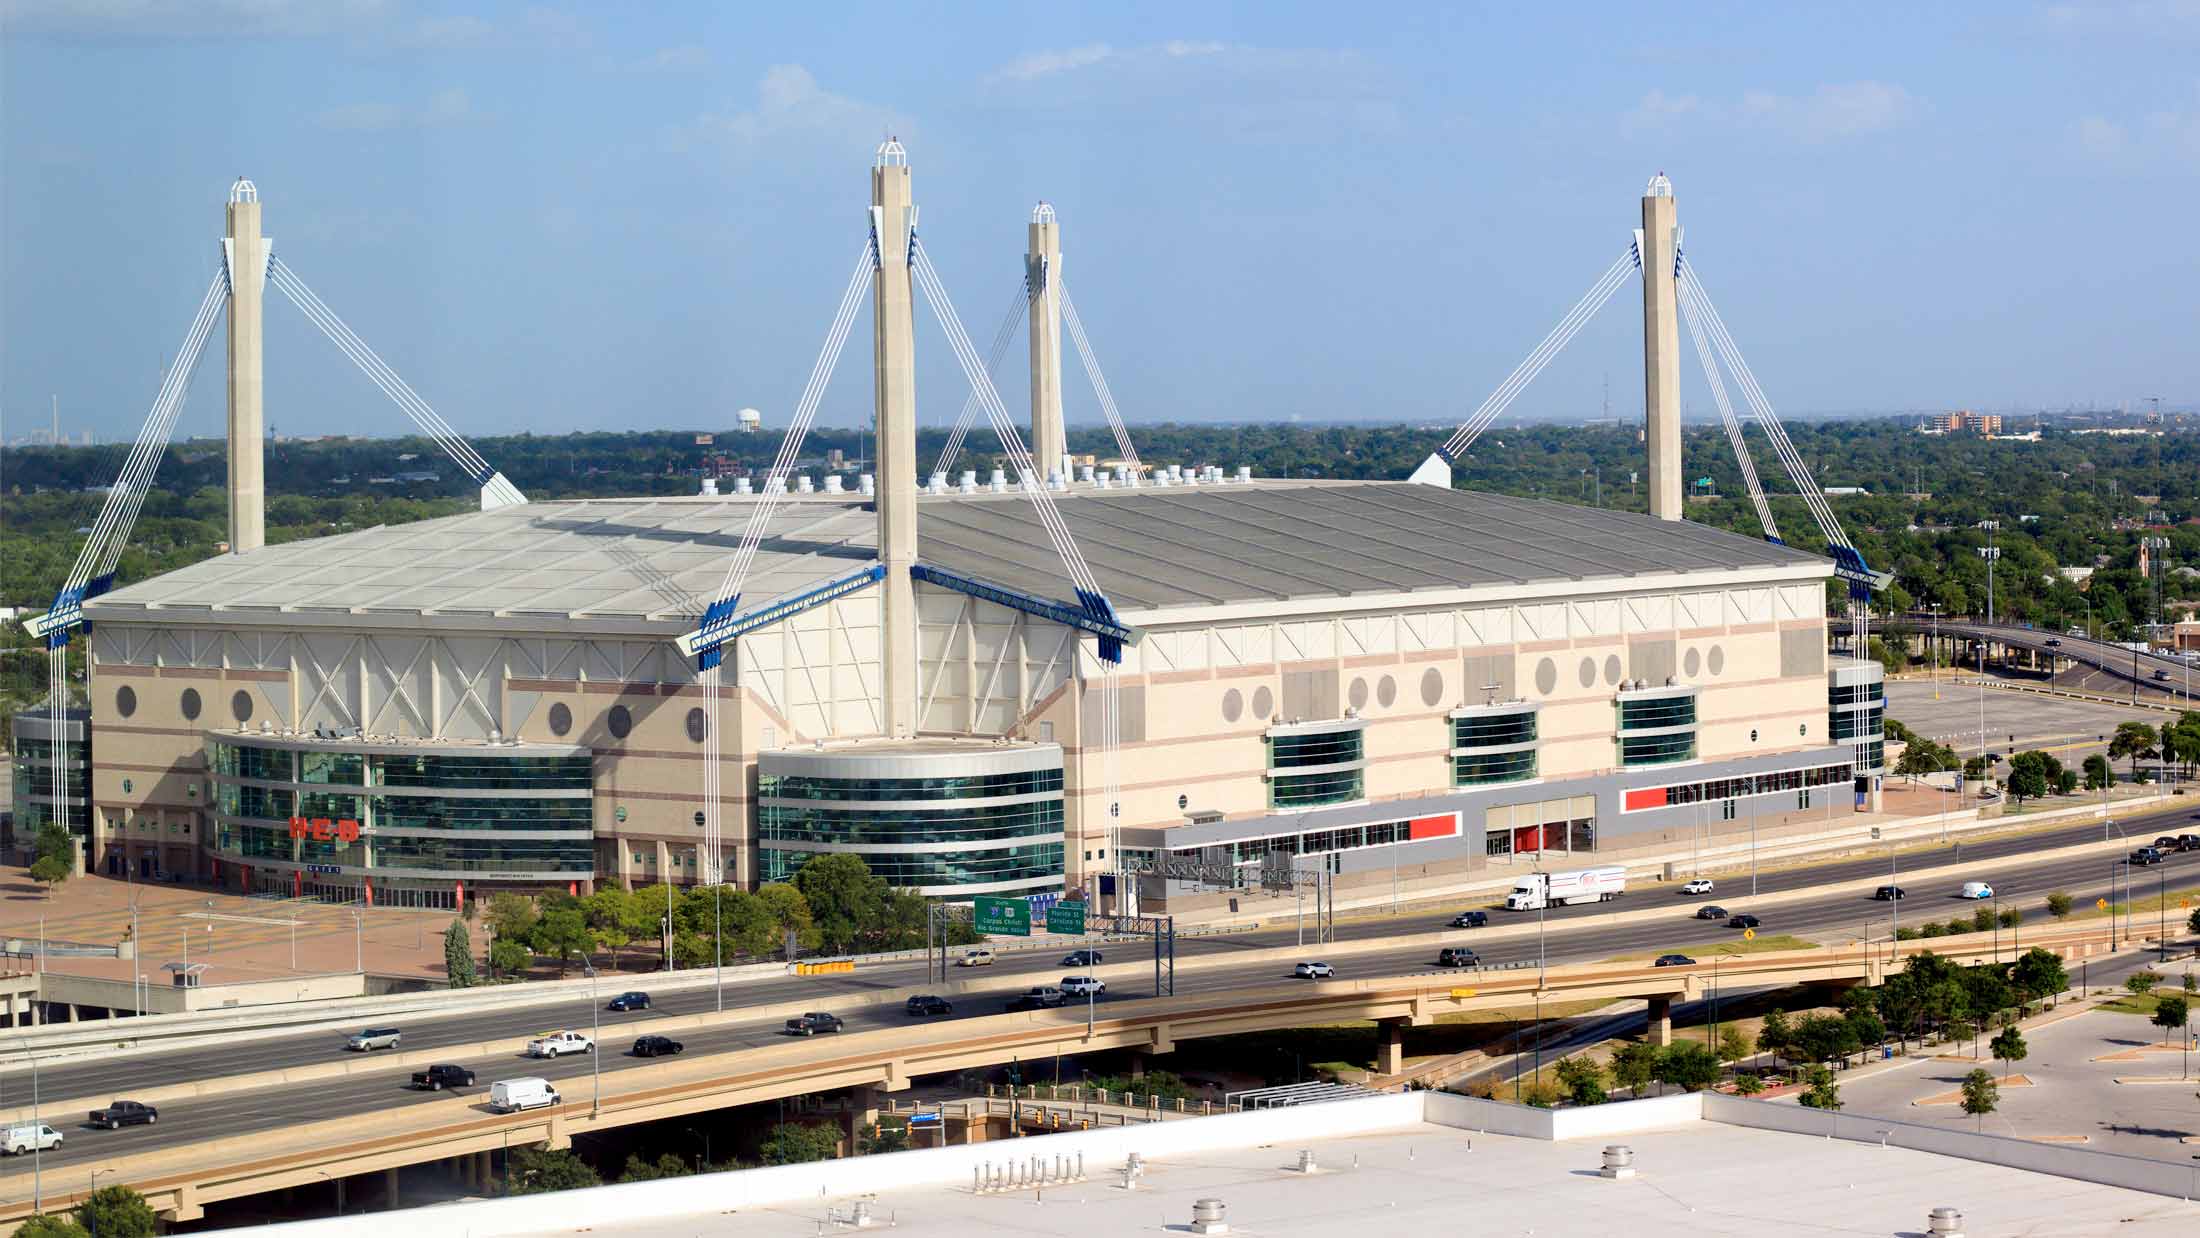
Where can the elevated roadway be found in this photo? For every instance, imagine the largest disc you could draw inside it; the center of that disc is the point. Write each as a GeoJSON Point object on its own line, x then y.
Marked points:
{"type": "Point", "coordinates": [1237, 984]}
{"type": "Point", "coordinates": [2136, 671]}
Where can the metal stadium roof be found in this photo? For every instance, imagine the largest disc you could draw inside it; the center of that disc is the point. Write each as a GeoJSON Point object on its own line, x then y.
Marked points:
{"type": "Point", "coordinates": [647, 565]}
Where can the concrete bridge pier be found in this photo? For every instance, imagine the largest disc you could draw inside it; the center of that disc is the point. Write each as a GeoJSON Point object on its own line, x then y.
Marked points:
{"type": "Point", "coordinates": [1390, 1052]}
{"type": "Point", "coordinates": [1661, 1019]}
{"type": "Point", "coordinates": [862, 1112]}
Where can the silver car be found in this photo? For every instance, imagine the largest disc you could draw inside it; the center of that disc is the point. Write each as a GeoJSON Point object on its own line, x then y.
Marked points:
{"type": "Point", "coordinates": [374, 1038]}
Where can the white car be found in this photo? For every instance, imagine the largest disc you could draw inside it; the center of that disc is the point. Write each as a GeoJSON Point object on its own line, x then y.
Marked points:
{"type": "Point", "coordinates": [558, 1044]}
{"type": "Point", "coordinates": [1976, 889]}
{"type": "Point", "coordinates": [1314, 971]}
{"type": "Point", "coordinates": [1701, 885]}
{"type": "Point", "coordinates": [975, 958]}
{"type": "Point", "coordinates": [1079, 986]}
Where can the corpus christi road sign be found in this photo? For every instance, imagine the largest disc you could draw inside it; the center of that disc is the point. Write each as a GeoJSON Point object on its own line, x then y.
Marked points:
{"type": "Point", "coordinates": [1002, 917]}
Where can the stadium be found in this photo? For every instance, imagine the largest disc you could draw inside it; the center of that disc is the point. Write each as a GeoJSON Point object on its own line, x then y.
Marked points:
{"type": "Point", "coordinates": [1396, 685]}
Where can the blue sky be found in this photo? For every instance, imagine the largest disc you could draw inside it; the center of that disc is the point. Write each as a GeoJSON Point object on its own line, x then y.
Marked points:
{"type": "Point", "coordinates": [642, 215]}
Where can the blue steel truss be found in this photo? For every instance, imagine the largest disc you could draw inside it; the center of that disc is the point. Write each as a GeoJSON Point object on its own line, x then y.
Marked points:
{"type": "Point", "coordinates": [720, 624]}
{"type": "Point", "coordinates": [1091, 614]}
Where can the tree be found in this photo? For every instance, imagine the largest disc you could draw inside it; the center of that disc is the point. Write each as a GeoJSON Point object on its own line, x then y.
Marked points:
{"type": "Point", "coordinates": [2098, 775]}
{"type": "Point", "coordinates": [533, 1171]}
{"type": "Point", "coordinates": [1980, 1094]}
{"type": "Point", "coordinates": [795, 1143]}
{"type": "Point", "coordinates": [876, 1139]}
{"type": "Point", "coordinates": [458, 956]}
{"type": "Point", "coordinates": [2170, 1014]}
{"type": "Point", "coordinates": [1583, 1080]}
{"type": "Point", "coordinates": [562, 934]}
{"type": "Point", "coordinates": [2010, 917]}
{"type": "Point", "coordinates": [1982, 920]}
{"type": "Point", "coordinates": [56, 857]}
{"type": "Point", "coordinates": [2058, 905]}
{"type": "Point", "coordinates": [2008, 1047]}
{"type": "Point", "coordinates": [1634, 1066]}
{"type": "Point", "coordinates": [2066, 783]}
{"type": "Point", "coordinates": [665, 1166]}
{"type": "Point", "coordinates": [117, 1212]}
{"type": "Point", "coordinates": [649, 906]}
{"type": "Point", "coordinates": [1824, 1038]}
{"type": "Point", "coordinates": [1774, 1035]}
{"type": "Point", "coordinates": [48, 1226]}
{"type": "Point", "coordinates": [2192, 922]}
{"type": "Point", "coordinates": [1819, 1089]}
{"type": "Point", "coordinates": [786, 910]}
{"type": "Point", "coordinates": [2142, 982]}
{"type": "Point", "coordinates": [611, 916]}
{"type": "Point", "coordinates": [509, 958]}
{"type": "Point", "coordinates": [1733, 1044]}
{"type": "Point", "coordinates": [2028, 775]}
{"type": "Point", "coordinates": [512, 916]}
{"type": "Point", "coordinates": [845, 899]}
{"type": "Point", "coordinates": [1686, 1064]}
{"type": "Point", "coordinates": [1746, 1083]}
{"type": "Point", "coordinates": [2038, 973]}
{"type": "Point", "coordinates": [2135, 740]}
{"type": "Point", "coordinates": [1866, 1026]}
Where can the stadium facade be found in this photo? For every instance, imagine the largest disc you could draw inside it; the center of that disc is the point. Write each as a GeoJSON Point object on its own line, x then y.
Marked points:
{"type": "Point", "coordinates": [1369, 676]}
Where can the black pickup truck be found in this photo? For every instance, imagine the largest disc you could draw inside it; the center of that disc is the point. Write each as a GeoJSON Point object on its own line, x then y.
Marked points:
{"type": "Point", "coordinates": [436, 1078]}
{"type": "Point", "coordinates": [123, 1113]}
{"type": "Point", "coordinates": [813, 1023]}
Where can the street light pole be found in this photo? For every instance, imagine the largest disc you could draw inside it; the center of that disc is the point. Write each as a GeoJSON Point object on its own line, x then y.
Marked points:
{"type": "Point", "coordinates": [595, 1049]}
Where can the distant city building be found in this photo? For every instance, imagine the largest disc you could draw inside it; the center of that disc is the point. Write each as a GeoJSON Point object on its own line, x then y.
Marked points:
{"type": "Point", "coordinates": [1847, 491]}
{"type": "Point", "coordinates": [705, 440]}
{"type": "Point", "coordinates": [1964, 421]}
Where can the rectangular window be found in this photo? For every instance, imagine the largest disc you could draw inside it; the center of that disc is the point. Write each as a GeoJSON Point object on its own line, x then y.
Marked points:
{"type": "Point", "coordinates": [1657, 729]}
{"type": "Point", "coordinates": [1308, 768]}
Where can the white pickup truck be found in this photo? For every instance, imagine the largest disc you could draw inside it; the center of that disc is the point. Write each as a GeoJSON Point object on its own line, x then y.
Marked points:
{"type": "Point", "coordinates": [558, 1044]}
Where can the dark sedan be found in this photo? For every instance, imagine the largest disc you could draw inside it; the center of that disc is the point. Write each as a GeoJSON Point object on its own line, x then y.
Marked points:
{"type": "Point", "coordinates": [1675, 960]}
{"type": "Point", "coordinates": [1711, 912]}
{"type": "Point", "coordinates": [1744, 922]}
{"type": "Point", "coordinates": [927, 1005]}
{"type": "Point", "coordinates": [656, 1046]}
{"type": "Point", "coordinates": [629, 1001]}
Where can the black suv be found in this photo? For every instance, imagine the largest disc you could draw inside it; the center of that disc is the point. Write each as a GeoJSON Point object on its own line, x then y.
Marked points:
{"type": "Point", "coordinates": [2146, 855]}
{"type": "Point", "coordinates": [1081, 958]}
{"type": "Point", "coordinates": [1744, 922]}
{"type": "Point", "coordinates": [1038, 999]}
{"type": "Point", "coordinates": [437, 1078]}
{"type": "Point", "coordinates": [2188, 842]}
{"type": "Point", "coordinates": [1470, 919]}
{"type": "Point", "coordinates": [1711, 911]}
{"type": "Point", "coordinates": [629, 1001]}
{"type": "Point", "coordinates": [656, 1046]}
{"type": "Point", "coordinates": [1458, 956]}
{"type": "Point", "coordinates": [925, 1005]}
{"type": "Point", "coordinates": [1888, 894]}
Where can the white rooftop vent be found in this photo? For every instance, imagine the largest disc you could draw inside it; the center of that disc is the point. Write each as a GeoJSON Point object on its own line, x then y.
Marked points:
{"type": "Point", "coordinates": [805, 484]}
{"type": "Point", "coordinates": [999, 483]}
{"type": "Point", "coordinates": [710, 486]}
{"type": "Point", "coordinates": [866, 483]}
{"type": "Point", "coordinates": [1209, 1216]}
{"type": "Point", "coordinates": [1245, 472]}
{"type": "Point", "coordinates": [833, 484]}
{"type": "Point", "coordinates": [741, 485]}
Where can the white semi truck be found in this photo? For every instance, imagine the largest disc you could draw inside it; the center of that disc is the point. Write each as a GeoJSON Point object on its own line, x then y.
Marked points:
{"type": "Point", "coordinates": [1588, 885]}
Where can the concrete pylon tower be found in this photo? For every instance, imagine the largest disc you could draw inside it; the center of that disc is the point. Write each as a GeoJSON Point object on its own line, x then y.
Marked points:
{"type": "Point", "coordinates": [245, 257]}
{"type": "Point", "coordinates": [1661, 348]}
{"type": "Point", "coordinates": [1042, 271]}
{"type": "Point", "coordinates": [894, 378]}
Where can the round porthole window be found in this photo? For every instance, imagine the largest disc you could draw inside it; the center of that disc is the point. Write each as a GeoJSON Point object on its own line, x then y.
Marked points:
{"type": "Point", "coordinates": [697, 725]}
{"type": "Point", "coordinates": [240, 705]}
{"type": "Point", "coordinates": [125, 700]}
{"type": "Point", "coordinates": [1183, 801]}
{"type": "Point", "coordinates": [619, 814]}
{"type": "Point", "coordinates": [191, 703]}
{"type": "Point", "coordinates": [561, 719]}
{"type": "Point", "coordinates": [128, 786]}
{"type": "Point", "coordinates": [1386, 691]}
{"type": "Point", "coordinates": [1264, 704]}
{"type": "Point", "coordinates": [1753, 735]}
{"type": "Point", "coordinates": [620, 721]}
{"type": "Point", "coordinates": [1233, 705]}
{"type": "Point", "coordinates": [698, 820]}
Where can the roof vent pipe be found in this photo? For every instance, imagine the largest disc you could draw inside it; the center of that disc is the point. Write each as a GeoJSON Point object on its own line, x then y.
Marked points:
{"type": "Point", "coordinates": [938, 483]}
{"type": "Point", "coordinates": [775, 485]}
{"type": "Point", "coordinates": [1945, 1223]}
{"type": "Point", "coordinates": [1000, 481]}
{"type": "Point", "coordinates": [1208, 1217]}
{"type": "Point", "coordinates": [1619, 1162]}
{"type": "Point", "coordinates": [1245, 472]}
{"type": "Point", "coordinates": [1087, 474]}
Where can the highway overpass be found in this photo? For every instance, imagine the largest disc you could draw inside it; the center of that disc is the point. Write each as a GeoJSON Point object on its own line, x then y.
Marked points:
{"type": "Point", "coordinates": [2133, 670]}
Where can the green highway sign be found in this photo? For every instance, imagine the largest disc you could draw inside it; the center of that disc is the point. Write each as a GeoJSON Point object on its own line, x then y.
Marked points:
{"type": "Point", "coordinates": [1002, 917]}
{"type": "Point", "coordinates": [1066, 918]}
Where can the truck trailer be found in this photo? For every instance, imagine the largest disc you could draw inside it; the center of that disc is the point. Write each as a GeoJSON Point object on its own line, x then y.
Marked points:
{"type": "Point", "coordinates": [1587, 885]}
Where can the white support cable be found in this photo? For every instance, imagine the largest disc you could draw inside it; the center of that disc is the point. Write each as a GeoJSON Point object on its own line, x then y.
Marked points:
{"type": "Point", "coordinates": [379, 372]}
{"type": "Point", "coordinates": [711, 679]}
{"type": "Point", "coordinates": [186, 369]}
{"type": "Point", "coordinates": [1761, 408]}
{"type": "Point", "coordinates": [117, 514]}
{"type": "Point", "coordinates": [1599, 293]}
{"type": "Point", "coordinates": [1726, 414]}
{"type": "Point", "coordinates": [1099, 380]}
{"type": "Point", "coordinates": [1020, 456]}
{"type": "Point", "coordinates": [1013, 318]}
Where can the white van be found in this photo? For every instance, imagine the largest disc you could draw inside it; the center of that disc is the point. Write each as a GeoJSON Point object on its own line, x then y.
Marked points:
{"type": "Point", "coordinates": [513, 1095]}
{"type": "Point", "coordinates": [29, 1136]}
{"type": "Point", "coordinates": [1977, 889]}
